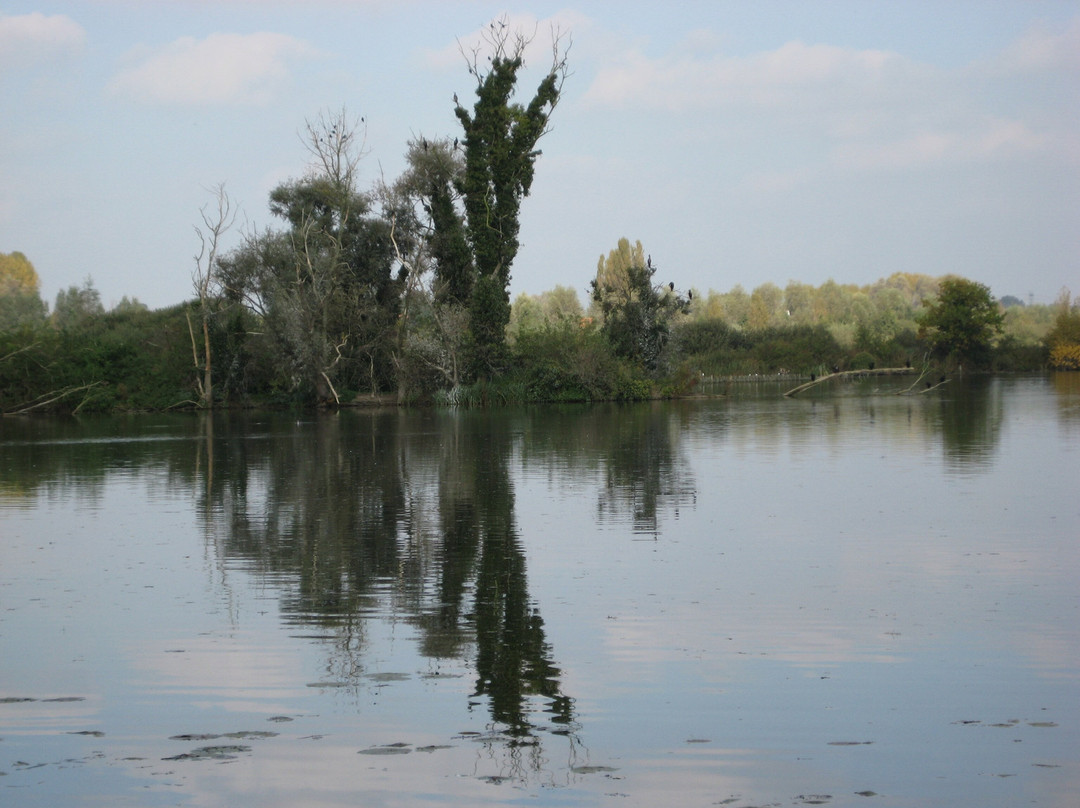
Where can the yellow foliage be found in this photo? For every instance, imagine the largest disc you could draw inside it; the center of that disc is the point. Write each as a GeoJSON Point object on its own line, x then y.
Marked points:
{"type": "Point", "coordinates": [1065, 356]}
{"type": "Point", "coordinates": [17, 274]}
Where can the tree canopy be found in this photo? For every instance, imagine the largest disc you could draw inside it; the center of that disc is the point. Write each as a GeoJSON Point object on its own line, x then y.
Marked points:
{"type": "Point", "coordinates": [962, 322]}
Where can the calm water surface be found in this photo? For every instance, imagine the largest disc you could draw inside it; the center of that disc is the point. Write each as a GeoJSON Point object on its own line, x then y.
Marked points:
{"type": "Point", "coordinates": [856, 598]}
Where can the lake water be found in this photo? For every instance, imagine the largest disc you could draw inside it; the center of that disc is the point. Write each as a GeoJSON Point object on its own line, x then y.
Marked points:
{"type": "Point", "coordinates": [846, 598]}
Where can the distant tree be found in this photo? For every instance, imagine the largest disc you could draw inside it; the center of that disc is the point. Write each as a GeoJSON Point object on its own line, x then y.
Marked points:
{"type": "Point", "coordinates": [735, 306]}
{"type": "Point", "coordinates": [1063, 340]}
{"type": "Point", "coordinates": [128, 305]}
{"type": "Point", "coordinates": [637, 313]}
{"type": "Point", "coordinates": [17, 274]}
{"type": "Point", "coordinates": [799, 302]}
{"type": "Point", "coordinates": [765, 302]}
{"type": "Point", "coordinates": [1011, 300]}
{"type": "Point", "coordinates": [962, 322]}
{"type": "Point", "coordinates": [554, 307]}
{"type": "Point", "coordinates": [20, 300]}
{"type": "Point", "coordinates": [500, 139]}
{"type": "Point", "coordinates": [77, 305]}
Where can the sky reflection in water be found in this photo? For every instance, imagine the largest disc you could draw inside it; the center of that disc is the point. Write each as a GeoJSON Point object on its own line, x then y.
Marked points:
{"type": "Point", "coordinates": [750, 599]}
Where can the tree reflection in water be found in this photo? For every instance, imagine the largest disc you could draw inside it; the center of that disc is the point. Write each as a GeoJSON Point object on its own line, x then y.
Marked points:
{"type": "Point", "coordinates": [364, 515]}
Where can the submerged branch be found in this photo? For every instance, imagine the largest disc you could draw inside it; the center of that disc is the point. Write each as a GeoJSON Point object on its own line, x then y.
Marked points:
{"type": "Point", "coordinates": [848, 374]}
{"type": "Point", "coordinates": [51, 397]}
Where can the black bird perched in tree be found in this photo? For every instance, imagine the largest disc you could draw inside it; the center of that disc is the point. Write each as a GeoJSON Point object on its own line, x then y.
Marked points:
{"type": "Point", "coordinates": [455, 98]}
{"type": "Point", "coordinates": [871, 366]}
{"type": "Point", "coordinates": [942, 379]}
{"type": "Point", "coordinates": [690, 294]}
{"type": "Point", "coordinates": [813, 377]}
{"type": "Point", "coordinates": [907, 364]}
{"type": "Point", "coordinates": [671, 286]}
{"type": "Point", "coordinates": [648, 262]}
{"type": "Point", "coordinates": [835, 368]}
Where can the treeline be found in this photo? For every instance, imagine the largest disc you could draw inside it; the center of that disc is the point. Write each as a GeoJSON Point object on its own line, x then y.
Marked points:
{"type": "Point", "coordinates": [80, 357]}
{"type": "Point", "coordinates": [400, 293]}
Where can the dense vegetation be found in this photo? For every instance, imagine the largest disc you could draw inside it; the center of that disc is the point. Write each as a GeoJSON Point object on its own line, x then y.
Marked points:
{"type": "Point", "coordinates": [400, 293]}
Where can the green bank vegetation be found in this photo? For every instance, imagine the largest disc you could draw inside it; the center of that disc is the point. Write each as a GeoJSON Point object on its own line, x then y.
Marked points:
{"type": "Point", "coordinates": [400, 293]}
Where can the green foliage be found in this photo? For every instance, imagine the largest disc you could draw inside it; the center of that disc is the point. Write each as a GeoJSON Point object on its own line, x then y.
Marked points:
{"type": "Point", "coordinates": [131, 359]}
{"type": "Point", "coordinates": [551, 308]}
{"type": "Point", "coordinates": [962, 322]}
{"type": "Point", "coordinates": [19, 308]}
{"type": "Point", "coordinates": [566, 361]}
{"type": "Point", "coordinates": [715, 348]}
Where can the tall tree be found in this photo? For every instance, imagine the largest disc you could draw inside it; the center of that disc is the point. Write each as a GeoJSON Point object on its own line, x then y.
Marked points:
{"type": "Point", "coordinates": [500, 153]}
{"type": "Point", "coordinates": [962, 322]}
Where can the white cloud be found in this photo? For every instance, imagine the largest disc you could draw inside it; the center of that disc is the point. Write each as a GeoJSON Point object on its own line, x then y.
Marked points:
{"type": "Point", "coordinates": [220, 69]}
{"type": "Point", "coordinates": [989, 139]}
{"type": "Point", "coordinates": [1043, 49]}
{"type": "Point", "coordinates": [770, 78]}
{"type": "Point", "coordinates": [31, 38]}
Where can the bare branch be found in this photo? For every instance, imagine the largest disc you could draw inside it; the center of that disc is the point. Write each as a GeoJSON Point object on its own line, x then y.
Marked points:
{"type": "Point", "coordinates": [337, 144]}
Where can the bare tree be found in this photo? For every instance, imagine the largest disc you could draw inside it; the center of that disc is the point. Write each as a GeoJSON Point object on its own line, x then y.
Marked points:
{"type": "Point", "coordinates": [217, 219]}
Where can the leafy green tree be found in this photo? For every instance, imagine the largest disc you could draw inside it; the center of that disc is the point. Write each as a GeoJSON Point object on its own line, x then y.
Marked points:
{"type": "Point", "coordinates": [962, 322]}
{"type": "Point", "coordinates": [500, 139]}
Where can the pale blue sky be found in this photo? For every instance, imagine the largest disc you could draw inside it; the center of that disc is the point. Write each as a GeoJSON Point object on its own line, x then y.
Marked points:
{"type": "Point", "coordinates": [741, 142]}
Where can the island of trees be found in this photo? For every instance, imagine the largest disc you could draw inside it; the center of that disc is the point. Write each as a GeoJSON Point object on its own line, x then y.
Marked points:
{"type": "Point", "coordinates": [400, 293]}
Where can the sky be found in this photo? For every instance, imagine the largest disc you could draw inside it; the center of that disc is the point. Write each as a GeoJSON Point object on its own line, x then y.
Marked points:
{"type": "Point", "coordinates": [740, 142]}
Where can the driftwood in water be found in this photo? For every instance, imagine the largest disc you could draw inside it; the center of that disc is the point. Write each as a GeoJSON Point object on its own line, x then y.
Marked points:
{"type": "Point", "coordinates": [841, 374]}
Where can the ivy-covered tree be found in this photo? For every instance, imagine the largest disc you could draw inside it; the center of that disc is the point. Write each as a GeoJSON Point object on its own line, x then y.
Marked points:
{"type": "Point", "coordinates": [499, 143]}
{"type": "Point", "coordinates": [428, 236]}
{"type": "Point", "coordinates": [962, 322]}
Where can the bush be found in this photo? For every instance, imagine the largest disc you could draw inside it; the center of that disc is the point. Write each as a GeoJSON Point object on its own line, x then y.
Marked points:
{"type": "Point", "coordinates": [570, 362]}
